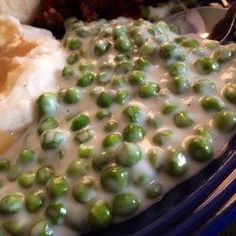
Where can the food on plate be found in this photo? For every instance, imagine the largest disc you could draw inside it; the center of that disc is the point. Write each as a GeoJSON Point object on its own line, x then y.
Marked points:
{"type": "Point", "coordinates": [136, 110]}
{"type": "Point", "coordinates": [30, 58]}
{"type": "Point", "coordinates": [24, 10]}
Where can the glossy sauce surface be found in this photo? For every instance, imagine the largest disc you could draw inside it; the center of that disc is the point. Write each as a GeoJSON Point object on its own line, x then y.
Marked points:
{"type": "Point", "coordinates": [175, 106]}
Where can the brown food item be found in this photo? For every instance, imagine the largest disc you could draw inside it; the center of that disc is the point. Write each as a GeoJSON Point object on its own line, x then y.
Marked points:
{"type": "Point", "coordinates": [53, 12]}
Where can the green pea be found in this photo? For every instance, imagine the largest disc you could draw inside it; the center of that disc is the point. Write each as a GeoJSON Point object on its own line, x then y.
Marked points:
{"type": "Point", "coordinates": [199, 148]}
{"type": "Point", "coordinates": [162, 27]}
{"type": "Point", "coordinates": [111, 126]}
{"type": "Point", "coordinates": [52, 139]}
{"type": "Point", "coordinates": [176, 163]}
{"type": "Point", "coordinates": [85, 66]}
{"type": "Point", "coordinates": [72, 95]}
{"type": "Point", "coordinates": [121, 57]}
{"type": "Point", "coordinates": [180, 39]}
{"type": "Point", "coordinates": [34, 200]}
{"type": "Point", "coordinates": [14, 227]}
{"type": "Point", "coordinates": [119, 31]}
{"type": "Point", "coordinates": [57, 186]}
{"type": "Point", "coordinates": [223, 55]}
{"type": "Point", "coordinates": [101, 47]}
{"type": "Point", "coordinates": [204, 86]}
{"type": "Point", "coordinates": [177, 69]}
{"type": "Point", "coordinates": [74, 44]}
{"type": "Point", "coordinates": [26, 156]}
{"type": "Point", "coordinates": [117, 81]}
{"type": "Point", "coordinates": [124, 67]}
{"type": "Point", "coordinates": [139, 22]}
{"type": "Point", "coordinates": [43, 174]}
{"type": "Point", "coordinates": [168, 108]}
{"type": "Point", "coordinates": [11, 204]}
{"type": "Point", "coordinates": [121, 97]}
{"type": "Point", "coordinates": [178, 85]}
{"type": "Point", "coordinates": [84, 191]}
{"type": "Point", "coordinates": [48, 104]}
{"type": "Point", "coordinates": [148, 90]}
{"type": "Point", "coordinates": [203, 131]}
{"type": "Point", "coordinates": [154, 30]}
{"type": "Point", "coordinates": [230, 93]}
{"type": "Point", "coordinates": [107, 32]}
{"type": "Point", "coordinates": [153, 190]}
{"type": "Point", "coordinates": [141, 64]}
{"type": "Point", "coordinates": [140, 39]}
{"type": "Point", "coordinates": [114, 179]}
{"type": "Point", "coordinates": [103, 113]}
{"type": "Point", "coordinates": [5, 165]}
{"type": "Point", "coordinates": [83, 31]}
{"type": "Point", "coordinates": [123, 44]}
{"type": "Point", "coordinates": [105, 99]}
{"type": "Point", "coordinates": [148, 49]}
{"type": "Point", "coordinates": [26, 179]}
{"type": "Point", "coordinates": [206, 65]}
{"type": "Point", "coordinates": [128, 154]}
{"type": "Point", "coordinates": [142, 179]}
{"type": "Point", "coordinates": [212, 44]}
{"type": "Point", "coordinates": [225, 121]}
{"type": "Point", "coordinates": [78, 224]}
{"type": "Point", "coordinates": [169, 51]}
{"type": "Point", "coordinates": [86, 79]}
{"type": "Point", "coordinates": [133, 113]}
{"type": "Point", "coordinates": [42, 228]}
{"type": "Point", "coordinates": [136, 77]}
{"type": "Point", "coordinates": [153, 121]}
{"type": "Point", "coordinates": [106, 66]}
{"type": "Point", "coordinates": [79, 122]}
{"type": "Point", "coordinates": [183, 119]}
{"type": "Point", "coordinates": [14, 172]}
{"type": "Point", "coordinates": [134, 30]}
{"type": "Point", "coordinates": [112, 140]}
{"type": "Point", "coordinates": [47, 123]}
{"type": "Point", "coordinates": [163, 137]}
{"type": "Point", "coordinates": [103, 160]}
{"type": "Point", "coordinates": [56, 212]}
{"type": "Point", "coordinates": [125, 204]}
{"type": "Point", "coordinates": [68, 72]}
{"type": "Point", "coordinates": [104, 77]}
{"type": "Point", "coordinates": [212, 103]}
{"type": "Point", "coordinates": [133, 133]}
{"type": "Point", "coordinates": [190, 43]}
{"type": "Point", "coordinates": [77, 169]}
{"type": "Point", "coordinates": [84, 135]}
{"type": "Point", "coordinates": [154, 158]}
{"type": "Point", "coordinates": [182, 57]}
{"type": "Point", "coordinates": [72, 58]}
{"type": "Point", "coordinates": [85, 151]}
{"type": "Point", "coordinates": [100, 215]}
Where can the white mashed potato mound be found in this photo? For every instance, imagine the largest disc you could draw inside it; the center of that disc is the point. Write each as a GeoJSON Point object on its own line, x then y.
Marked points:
{"type": "Point", "coordinates": [23, 10]}
{"type": "Point", "coordinates": [30, 60]}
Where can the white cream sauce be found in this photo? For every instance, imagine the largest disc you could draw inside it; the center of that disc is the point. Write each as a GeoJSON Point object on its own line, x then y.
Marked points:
{"type": "Point", "coordinates": [155, 73]}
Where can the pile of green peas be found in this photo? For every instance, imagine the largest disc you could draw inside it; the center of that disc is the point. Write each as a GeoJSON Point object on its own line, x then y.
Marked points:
{"type": "Point", "coordinates": [111, 86]}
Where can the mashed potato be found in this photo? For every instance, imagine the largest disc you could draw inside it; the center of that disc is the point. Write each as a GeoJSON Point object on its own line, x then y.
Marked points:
{"type": "Point", "coordinates": [29, 62]}
{"type": "Point", "coordinates": [23, 10]}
